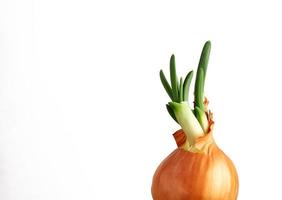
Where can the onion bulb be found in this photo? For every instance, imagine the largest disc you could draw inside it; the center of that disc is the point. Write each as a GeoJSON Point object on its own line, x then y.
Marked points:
{"type": "Point", "coordinates": [197, 169]}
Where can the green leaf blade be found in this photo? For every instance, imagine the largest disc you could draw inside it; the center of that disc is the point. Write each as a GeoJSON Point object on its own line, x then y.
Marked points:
{"type": "Point", "coordinates": [201, 75]}
{"type": "Point", "coordinates": [173, 79]}
{"type": "Point", "coordinates": [180, 96]}
{"type": "Point", "coordinates": [171, 112]}
{"type": "Point", "coordinates": [199, 90]}
{"type": "Point", "coordinates": [166, 84]}
{"type": "Point", "coordinates": [204, 59]}
{"type": "Point", "coordinates": [186, 85]}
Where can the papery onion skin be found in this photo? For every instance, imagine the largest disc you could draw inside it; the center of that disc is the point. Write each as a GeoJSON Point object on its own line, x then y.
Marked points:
{"type": "Point", "coordinates": [207, 175]}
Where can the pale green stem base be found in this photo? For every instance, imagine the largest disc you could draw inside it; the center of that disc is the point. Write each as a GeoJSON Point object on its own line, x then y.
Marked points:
{"type": "Point", "coordinates": [187, 121]}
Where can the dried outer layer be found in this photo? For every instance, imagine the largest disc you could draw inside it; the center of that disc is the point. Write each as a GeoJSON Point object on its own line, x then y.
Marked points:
{"type": "Point", "coordinates": [184, 175]}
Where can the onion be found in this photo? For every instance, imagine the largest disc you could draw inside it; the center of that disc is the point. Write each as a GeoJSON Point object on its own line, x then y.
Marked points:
{"type": "Point", "coordinates": [197, 169]}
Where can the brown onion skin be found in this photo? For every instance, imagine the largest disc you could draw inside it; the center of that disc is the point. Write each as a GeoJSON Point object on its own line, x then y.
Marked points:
{"type": "Point", "coordinates": [184, 175]}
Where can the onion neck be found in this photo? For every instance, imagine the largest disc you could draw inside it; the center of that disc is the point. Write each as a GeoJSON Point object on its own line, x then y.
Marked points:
{"type": "Point", "coordinates": [202, 144]}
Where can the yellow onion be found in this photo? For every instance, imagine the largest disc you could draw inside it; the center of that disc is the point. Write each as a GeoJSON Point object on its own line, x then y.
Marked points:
{"type": "Point", "coordinates": [204, 175]}
{"type": "Point", "coordinates": [197, 169]}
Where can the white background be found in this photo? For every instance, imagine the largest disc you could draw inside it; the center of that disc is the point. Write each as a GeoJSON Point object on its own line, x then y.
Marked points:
{"type": "Point", "coordinates": [82, 108]}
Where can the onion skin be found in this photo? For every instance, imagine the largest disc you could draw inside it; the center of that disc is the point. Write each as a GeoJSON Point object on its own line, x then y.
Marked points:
{"type": "Point", "coordinates": [205, 175]}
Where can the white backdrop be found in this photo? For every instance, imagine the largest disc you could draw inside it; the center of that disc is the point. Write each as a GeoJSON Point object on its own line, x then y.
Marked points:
{"type": "Point", "coordinates": [82, 108]}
